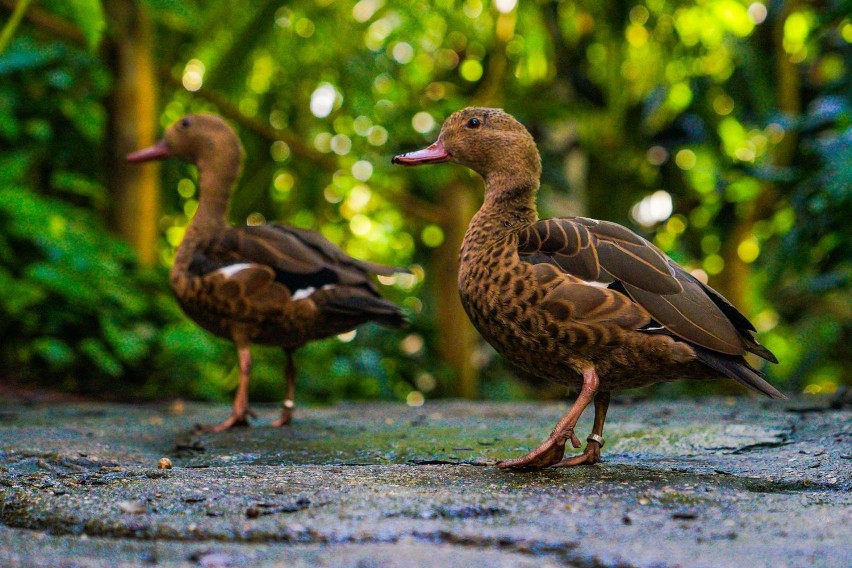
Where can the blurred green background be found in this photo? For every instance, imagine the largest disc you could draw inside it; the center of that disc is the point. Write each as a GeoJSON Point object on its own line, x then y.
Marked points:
{"type": "Point", "coordinates": [719, 129]}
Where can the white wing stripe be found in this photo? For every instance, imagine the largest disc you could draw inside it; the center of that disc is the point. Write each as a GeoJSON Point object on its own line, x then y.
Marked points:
{"type": "Point", "coordinates": [230, 270]}
{"type": "Point", "coordinates": [303, 293]}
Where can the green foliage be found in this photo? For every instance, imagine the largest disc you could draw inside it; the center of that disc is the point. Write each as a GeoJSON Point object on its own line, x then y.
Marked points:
{"type": "Point", "coordinates": [88, 15]}
{"type": "Point", "coordinates": [819, 245]}
{"type": "Point", "coordinates": [677, 98]}
{"type": "Point", "coordinates": [177, 14]}
{"type": "Point", "coordinates": [810, 272]}
{"type": "Point", "coordinates": [76, 312]}
{"type": "Point", "coordinates": [685, 100]}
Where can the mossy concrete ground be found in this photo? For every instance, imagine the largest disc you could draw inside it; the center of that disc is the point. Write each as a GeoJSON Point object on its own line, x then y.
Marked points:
{"type": "Point", "coordinates": [712, 482]}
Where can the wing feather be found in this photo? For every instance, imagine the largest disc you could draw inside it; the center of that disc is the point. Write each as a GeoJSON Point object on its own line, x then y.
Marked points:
{"type": "Point", "coordinates": [600, 251]}
{"type": "Point", "coordinates": [299, 258]}
{"type": "Point", "coordinates": [587, 249]}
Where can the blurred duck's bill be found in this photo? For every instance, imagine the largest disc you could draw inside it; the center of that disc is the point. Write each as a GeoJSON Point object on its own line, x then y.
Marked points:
{"type": "Point", "coordinates": [157, 152]}
{"type": "Point", "coordinates": [434, 154]}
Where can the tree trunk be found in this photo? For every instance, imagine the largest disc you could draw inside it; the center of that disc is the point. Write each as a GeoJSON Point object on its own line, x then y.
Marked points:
{"type": "Point", "coordinates": [733, 280]}
{"type": "Point", "coordinates": [135, 208]}
{"type": "Point", "coordinates": [457, 338]}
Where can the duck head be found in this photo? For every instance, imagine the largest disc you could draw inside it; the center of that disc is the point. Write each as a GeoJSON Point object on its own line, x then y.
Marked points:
{"type": "Point", "coordinates": [488, 141]}
{"type": "Point", "coordinates": [195, 138]}
{"type": "Point", "coordinates": [208, 142]}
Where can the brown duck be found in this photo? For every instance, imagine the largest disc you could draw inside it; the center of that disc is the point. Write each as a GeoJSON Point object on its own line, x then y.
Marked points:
{"type": "Point", "coordinates": [585, 303]}
{"type": "Point", "coordinates": [267, 284]}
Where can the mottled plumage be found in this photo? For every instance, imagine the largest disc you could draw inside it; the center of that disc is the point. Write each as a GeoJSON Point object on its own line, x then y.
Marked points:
{"type": "Point", "coordinates": [582, 302]}
{"type": "Point", "coordinates": [267, 284]}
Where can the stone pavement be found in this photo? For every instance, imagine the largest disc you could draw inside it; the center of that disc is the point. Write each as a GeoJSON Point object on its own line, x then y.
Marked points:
{"type": "Point", "coordinates": [708, 482]}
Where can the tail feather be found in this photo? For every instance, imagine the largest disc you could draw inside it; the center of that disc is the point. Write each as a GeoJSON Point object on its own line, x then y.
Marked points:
{"type": "Point", "coordinates": [736, 368]}
{"type": "Point", "coordinates": [753, 346]}
{"type": "Point", "coordinates": [368, 307]}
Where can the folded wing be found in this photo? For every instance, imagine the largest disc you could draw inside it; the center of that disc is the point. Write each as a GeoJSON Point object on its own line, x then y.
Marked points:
{"type": "Point", "coordinates": [603, 252]}
{"type": "Point", "coordinates": [300, 264]}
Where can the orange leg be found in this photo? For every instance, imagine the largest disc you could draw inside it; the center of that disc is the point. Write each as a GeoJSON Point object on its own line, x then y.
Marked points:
{"type": "Point", "coordinates": [594, 443]}
{"type": "Point", "coordinates": [241, 411]}
{"type": "Point", "coordinates": [290, 398]}
{"type": "Point", "coordinates": [551, 451]}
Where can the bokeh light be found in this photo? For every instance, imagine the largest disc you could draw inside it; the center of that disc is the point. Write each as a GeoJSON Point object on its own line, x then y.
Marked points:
{"type": "Point", "coordinates": [505, 6]}
{"type": "Point", "coordinates": [653, 208]}
{"type": "Point", "coordinates": [322, 100]}
{"type": "Point", "coordinates": [193, 75]}
{"type": "Point", "coordinates": [423, 122]}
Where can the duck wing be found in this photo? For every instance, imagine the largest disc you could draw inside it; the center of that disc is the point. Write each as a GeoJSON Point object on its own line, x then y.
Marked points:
{"type": "Point", "coordinates": [328, 248]}
{"type": "Point", "coordinates": [271, 264]}
{"type": "Point", "coordinates": [680, 305]}
{"type": "Point", "coordinates": [300, 260]}
{"type": "Point", "coordinates": [353, 295]}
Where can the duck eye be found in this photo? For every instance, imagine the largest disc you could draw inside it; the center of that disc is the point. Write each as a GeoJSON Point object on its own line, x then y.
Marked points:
{"type": "Point", "coordinates": [185, 123]}
{"type": "Point", "coordinates": [474, 123]}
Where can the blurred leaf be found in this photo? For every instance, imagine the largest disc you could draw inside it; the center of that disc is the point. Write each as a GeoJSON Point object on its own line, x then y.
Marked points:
{"type": "Point", "coordinates": [98, 354]}
{"type": "Point", "coordinates": [130, 344]}
{"type": "Point", "coordinates": [89, 117]}
{"type": "Point", "coordinates": [826, 111]}
{"type": "Point", "coordinates": [178, 14]}
{"type": "Point", "coordinates": [87, 14]}
{"type": "Point", "coordinates": [18, 296]}
{"type": "Point", "coordinates": [24, 55]}
{"type": "Point", "coordinates": [73, 183]}
{"type": "Point", "coordinates": [13, 166]}
{"type": "Point", "coordinates": [55, 351]}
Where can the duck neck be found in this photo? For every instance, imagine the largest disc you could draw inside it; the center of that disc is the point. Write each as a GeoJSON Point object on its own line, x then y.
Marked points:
{"type": "Point", "coordinates": [216, 179]}
{"type": "Point", "coordinates": [509, 206]}
{"type": "Point", "coordinates": [509, 200]}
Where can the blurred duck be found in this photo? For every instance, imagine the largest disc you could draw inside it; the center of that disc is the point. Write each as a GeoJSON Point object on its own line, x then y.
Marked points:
{"type": "Point", "coordinates": [267, 284]}
{"type": "Point", "coordinates": [585, 303]}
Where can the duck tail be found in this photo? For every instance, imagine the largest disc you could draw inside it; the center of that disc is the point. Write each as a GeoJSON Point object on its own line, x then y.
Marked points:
{"type": "Point", "coordinates": [738, 369]}
{"type": "Point", "coordinates": [753, 346]}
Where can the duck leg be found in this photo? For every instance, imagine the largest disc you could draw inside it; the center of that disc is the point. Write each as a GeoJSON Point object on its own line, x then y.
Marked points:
{"type": "Point", "coordinates": [241, 411]}
{"type": "Point", "coordinates": [552, 450]}
{"type": "Point", "coordinates": [290, 397]}
{"type": "Point", "coordinates": [595, 442]}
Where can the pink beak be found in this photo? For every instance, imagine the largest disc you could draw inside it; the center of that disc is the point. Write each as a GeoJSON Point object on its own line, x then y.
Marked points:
{"type": "Point", "coordinates": [159, 151]}
{"type": "Point", "coordinates": [434, 154]}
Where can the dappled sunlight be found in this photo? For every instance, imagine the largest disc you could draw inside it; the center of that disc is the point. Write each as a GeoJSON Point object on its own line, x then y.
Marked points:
{"type": "Point", "coordinates": [718, 129]}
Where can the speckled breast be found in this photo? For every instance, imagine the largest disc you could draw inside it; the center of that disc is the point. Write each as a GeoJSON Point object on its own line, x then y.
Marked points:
{"type": "Point", "coordinates": [194, 298]}
{"type": "Point", "coordinates": [209, 304]}
{"type": "Point", "coordinates": [500, 294]}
